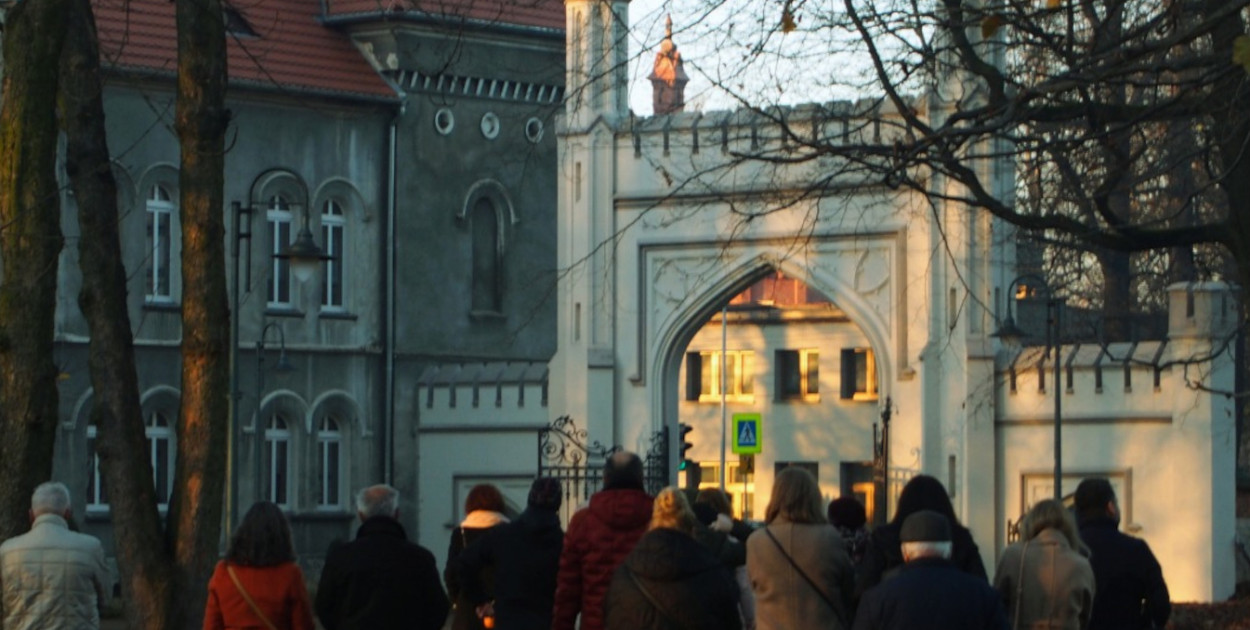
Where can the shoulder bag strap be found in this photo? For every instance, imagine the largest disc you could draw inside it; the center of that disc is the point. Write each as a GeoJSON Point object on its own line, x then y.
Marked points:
{"type": "Point", "coordinates": [837, 611]}
{"type": "Point", "coordinates": [651, 598]}
{"type": "Point", "coordinates": [248, 598]}
{"type": "Point", "coordinates": [1015, 625]}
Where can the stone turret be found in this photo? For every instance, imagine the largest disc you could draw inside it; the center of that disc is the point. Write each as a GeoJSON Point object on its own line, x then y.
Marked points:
{"type": "Point", "coordinates": [668, 77]}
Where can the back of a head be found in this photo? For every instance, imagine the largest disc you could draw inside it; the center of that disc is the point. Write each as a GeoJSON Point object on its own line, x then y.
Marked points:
{"type": "Point", "coordinates": [847, 512]}
{"type": "Point", "coordinates": [716, 499]}
{"type": "Point", "coordinates": [50, 497]}
{"type": "Point", "coordinates": [483, 496]}
{"type": "Point", "coordinates": [925, 534]}
{"type": "Point", "coordinates": [1091, 499]}
{"type": "Point", "coordinates": [1051, 514]}
{"type": "Point", "coordinates": [671, 510]}
{"type": "Point", "coordinates": [263, 539]}
{"type": "Point", "coordinates": [379, 500]}
{"type": "Point", "coordinates": [623, 470]}
{"type": "Point", "coordinates": [796, 497]}
{"type": "Point", "coordinates": [545, 494]}
{"type": "Point", "coordinates": [923, 492]}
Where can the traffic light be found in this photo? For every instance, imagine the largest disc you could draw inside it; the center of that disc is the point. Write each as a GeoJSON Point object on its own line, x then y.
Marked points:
{"type": "Point", "coordinates": [684, 430]}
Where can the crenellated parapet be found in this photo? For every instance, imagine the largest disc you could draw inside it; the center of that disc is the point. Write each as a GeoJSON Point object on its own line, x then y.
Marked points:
{"type": "Point", "coordinates": [485, 392]}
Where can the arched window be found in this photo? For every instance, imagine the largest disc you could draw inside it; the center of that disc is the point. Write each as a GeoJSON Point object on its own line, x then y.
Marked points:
{"type": "Point", "coordinates": [329, 463]}
{"type": "Point", "coordinates": [277, 465]}
{"type": "Point", "coordinates": [279, 218]}
{"type": "Point", "coordinates": [97, 495]}
{"type": "Point", "coordinates": [487, 288]}
{"type": "Point", "coordinates": [160, 212]}
{"type": "Point", "coordinates": [332, 226]}
{"type": "Point", "coordinates": [161, 451]}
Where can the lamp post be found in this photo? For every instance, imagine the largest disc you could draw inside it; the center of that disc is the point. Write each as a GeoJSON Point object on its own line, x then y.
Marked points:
{"type": "Point", "coordinates": [282, 366]}
{"type": "Point", "coordinates": [304, 255]}
{"type": "Point", "coordinates": [1011, 334]}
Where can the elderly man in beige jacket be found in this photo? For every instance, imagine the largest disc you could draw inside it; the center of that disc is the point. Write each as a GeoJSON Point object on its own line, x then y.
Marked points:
{"type": "Point", "coordinates": [52, 578]}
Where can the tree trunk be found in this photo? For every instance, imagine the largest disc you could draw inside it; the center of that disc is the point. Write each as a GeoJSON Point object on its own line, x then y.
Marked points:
{"type": "Point", "coordinates": [122, 444]}
{"type": "Point", "coordinates": [30, 244]}
{"type": "Point", "coordinates": [201, 120]}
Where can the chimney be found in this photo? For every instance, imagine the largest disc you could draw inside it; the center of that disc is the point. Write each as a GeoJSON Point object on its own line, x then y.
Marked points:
{"type": "Point", "coordinates": [668, 78]}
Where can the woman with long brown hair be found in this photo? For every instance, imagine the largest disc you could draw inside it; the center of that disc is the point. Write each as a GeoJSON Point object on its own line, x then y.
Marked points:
{"type": "Point", "coordinates": [258, 584]}
{"type": "Point", "coordinates": [800, 572]}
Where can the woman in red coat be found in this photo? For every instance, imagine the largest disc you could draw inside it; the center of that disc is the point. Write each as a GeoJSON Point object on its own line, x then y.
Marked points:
{"type": "Point", "coordinates": [259, 585]}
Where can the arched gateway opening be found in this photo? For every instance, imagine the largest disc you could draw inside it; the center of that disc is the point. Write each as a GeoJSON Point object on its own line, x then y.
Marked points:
{"type": "Point", "coordinates": [775, 358]}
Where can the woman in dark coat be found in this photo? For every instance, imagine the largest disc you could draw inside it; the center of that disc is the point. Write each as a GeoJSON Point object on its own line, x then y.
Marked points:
{"type": "Point", "coordinates": [669, 581]}
{"type": "Point", "coordinates": [483, 511]}
{"type": "Point", "coordinates": [884, 554]}
{"type": "Point", "coordinates": [525, 555]}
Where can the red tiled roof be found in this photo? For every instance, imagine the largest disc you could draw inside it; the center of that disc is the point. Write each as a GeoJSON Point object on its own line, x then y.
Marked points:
{"type": "Point", "coordinates": [536, 13]}
{"type": "Point", "coordinates": [292, 50]}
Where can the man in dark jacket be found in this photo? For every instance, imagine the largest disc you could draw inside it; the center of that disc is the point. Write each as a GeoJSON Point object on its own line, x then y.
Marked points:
{"type": "Point", "coordinates": [929, 592]}
{"type": "Point", "coordinates": [380, 580]}
{"type": "Point", "coordinates": [526, 556]}
{"type": "Point", "coordinates": [598, 539]}
{"type": "Point", "coordinates": [1128, 582]}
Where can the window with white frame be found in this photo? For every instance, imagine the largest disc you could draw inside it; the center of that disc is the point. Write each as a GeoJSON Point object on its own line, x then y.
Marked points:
{"type": "Point", "coordinates": [160, 212]}
{"type": "Point", "coordinates": [277, 464]}
{"type": "Point", "coordinates": [703, 376]}
{"type": "Point", "coordinates": [160, 436]}
{"type": "Point", "coordinates": [97, 494]}
{"type": "Point", "coordinates": [798, 374]}
{"type": "Point", "coordinates": [329, 463]}
{"type": "Point", "coordinates": [333, 224]}
{"type": "Point", "coordinates": [859, 374]}
{"type": "Point", "coordinates": [279, 218]}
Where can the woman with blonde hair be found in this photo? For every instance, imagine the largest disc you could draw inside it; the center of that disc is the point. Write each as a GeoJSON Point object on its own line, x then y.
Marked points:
{"type": "Point", "coordinates": [670, 580]}
{"type": "Point", "coordinates": [800, 572]}
{"type": "Point", "coordinates": [1045, 580]}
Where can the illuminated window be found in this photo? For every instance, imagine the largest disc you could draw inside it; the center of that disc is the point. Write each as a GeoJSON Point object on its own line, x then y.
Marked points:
{"type": "Point", "coordinates": [859, 374]}
{"type": "Point", "coordinates": [277, 465]}
{"type": "Point", "coordinates": [279, 218]}
{"type": "Point", "coordinates": [329, 464]}
{"type": "Point", "coordinates": [798, 374]}
{"type": "Point", "coordinates": [160, 212]}
{"type": "Point", "coordinates": [332, 226]}
{"type": "Point", "coordinates": [703, 376]}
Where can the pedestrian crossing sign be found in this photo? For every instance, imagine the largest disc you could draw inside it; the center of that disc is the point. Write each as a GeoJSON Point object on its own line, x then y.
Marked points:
{"type": "Point", "coordinates": [747, 437]}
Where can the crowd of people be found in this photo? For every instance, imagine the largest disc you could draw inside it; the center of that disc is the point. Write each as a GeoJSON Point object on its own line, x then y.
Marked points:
{"type": "Point", "coordinates": [630, 561]}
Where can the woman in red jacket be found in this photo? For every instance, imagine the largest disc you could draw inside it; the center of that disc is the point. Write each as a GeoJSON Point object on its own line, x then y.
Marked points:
{"type": "Point", "coordinates": [259, 584]}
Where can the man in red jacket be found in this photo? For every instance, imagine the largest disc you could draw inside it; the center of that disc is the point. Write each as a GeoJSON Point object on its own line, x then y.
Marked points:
{"type": "Point", "coordinates": [598, 539]}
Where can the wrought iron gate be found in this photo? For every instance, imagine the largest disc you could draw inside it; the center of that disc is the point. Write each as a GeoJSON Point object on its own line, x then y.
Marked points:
{"type": "Point", "coordinates": [563, 453]}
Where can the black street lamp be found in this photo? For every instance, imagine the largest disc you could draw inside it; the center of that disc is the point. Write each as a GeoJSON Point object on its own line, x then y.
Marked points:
{"type": "Point", "coordinates": [304, 255]}
{"type": "Point", "coordinates": [1010, 334]}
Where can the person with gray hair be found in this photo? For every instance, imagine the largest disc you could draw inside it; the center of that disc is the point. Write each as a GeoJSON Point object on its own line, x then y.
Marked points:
{"type": "Point", "coordinates": [52, 577]}
{"type": "Point", "coordinates": [380, 579]}
{"type": "Point", "coordinates": [929, 592]}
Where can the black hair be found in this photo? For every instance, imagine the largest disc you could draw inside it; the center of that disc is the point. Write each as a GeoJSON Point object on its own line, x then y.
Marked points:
{"type": "Point", "coordinates": [923, 492]}
{"type": "Point", "coordinates": [622, 470]}
{"type": "Point", "coordinates": [1092, 497]}
{"type": "Point", "coordinates": [847, 512]}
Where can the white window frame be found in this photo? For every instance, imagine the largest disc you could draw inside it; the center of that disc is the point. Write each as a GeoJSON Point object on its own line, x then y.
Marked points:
{"type": "Point", "coordinates": [97, 496]}
{"type": "Point", "coordinates": [741, 363]}
{"type": "Point", "coordinates": [333, 239]}
{"type": "Point", "coordinates": [870, 390]}
{"type": "Point", "coordinates": [160, 213]}
{"type": "Point", "coordinates": [281, 221]}
{"type": "Point", "coordinates": [807, 357]}
{"type": "Point", "coordinates": [158, 429]}
{"type": "Point", "coordinates": [329, 448]}
{"type": "Point", "coordinates": [277, 438]}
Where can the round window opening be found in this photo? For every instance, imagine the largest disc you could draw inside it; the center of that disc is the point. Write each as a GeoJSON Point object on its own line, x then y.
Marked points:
{"type": "Point", "coordinates": [444, 121]}
{"type": "Point", "coordinates": [534, 130]}
{"type": "Point", "coordinates": [490, 125]}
